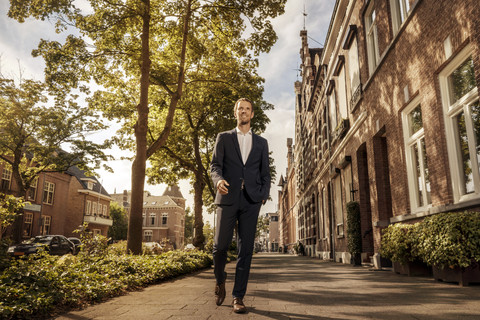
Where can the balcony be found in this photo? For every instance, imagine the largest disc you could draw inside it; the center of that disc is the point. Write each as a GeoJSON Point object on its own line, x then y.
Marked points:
{"type": "Point", "coordinates": [98, 220]}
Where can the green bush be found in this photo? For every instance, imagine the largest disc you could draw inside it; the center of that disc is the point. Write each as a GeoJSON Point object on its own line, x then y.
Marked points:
{"type": "Point", "coordinates": [398, 241]}
{"type": "Point", "coordinates": [450, 239]}
{"type": "Point", "coordinates": [354, 230]}
{"type": "Point", "coordinates": [38, 285]}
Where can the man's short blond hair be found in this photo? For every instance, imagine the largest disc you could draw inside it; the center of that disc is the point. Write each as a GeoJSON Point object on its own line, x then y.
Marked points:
{"type": "Point", "coordinates": [240, 100]}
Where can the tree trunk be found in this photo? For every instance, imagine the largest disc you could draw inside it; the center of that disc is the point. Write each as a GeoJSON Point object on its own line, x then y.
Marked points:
{"type": "Point", "coordinates": [198, 185]}
{"type": "Point", "coordinates": [17, 227]}
{"type": "Point", "coordinates": [134, 239]}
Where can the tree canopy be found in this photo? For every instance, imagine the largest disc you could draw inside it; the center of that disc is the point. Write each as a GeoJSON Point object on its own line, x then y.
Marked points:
{"type": "Point", "coordinates": [141, 53]}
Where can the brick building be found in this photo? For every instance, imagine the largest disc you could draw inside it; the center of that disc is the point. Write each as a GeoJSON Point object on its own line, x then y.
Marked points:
{"type": "Point", "coordinates": [387, 114]}
{"type": "Point", "coordinates": [163, 216]}
{"type": "Point", "coordinates": [287, 204]}
{"type": "Point", "coordinates": [60, 202]}
{"type": "Point", "coordinates": [273, 232]}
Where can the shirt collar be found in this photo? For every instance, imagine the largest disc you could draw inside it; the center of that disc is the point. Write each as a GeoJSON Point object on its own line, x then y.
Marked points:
{"type": "Point", "coordinates": [240, 132]}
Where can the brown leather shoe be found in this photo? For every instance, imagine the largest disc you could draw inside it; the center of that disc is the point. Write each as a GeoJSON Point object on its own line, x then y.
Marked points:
{"type": "Point", "coordinates": [238, 306]}
{"type": "Point", "coordinates": [219, 293]}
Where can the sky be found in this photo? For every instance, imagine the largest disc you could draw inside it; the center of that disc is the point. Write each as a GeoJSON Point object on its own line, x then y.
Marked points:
{"type": "Point", "coordinates": [278, 67]}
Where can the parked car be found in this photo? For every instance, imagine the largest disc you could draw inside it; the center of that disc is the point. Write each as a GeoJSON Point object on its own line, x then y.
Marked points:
{"type": "Point", "coordinates": [54, 244]}
{"type": "Point", "coordinates": [77, 242]}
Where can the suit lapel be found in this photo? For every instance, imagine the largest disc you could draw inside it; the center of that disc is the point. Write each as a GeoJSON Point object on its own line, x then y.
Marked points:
{"type": "Point", "coordinates": [236, 144]}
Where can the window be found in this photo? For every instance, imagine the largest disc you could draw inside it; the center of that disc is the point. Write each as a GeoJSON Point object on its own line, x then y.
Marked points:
{"type": "Point", "coordinates": [164, 218]}
{"type": "Point", "coordinates": [32, 191]}
{"type": "Point", "coordinates": [27, 224]}
{"type": "Point", "coordinates": [354, 73]}
{"type": "Point", "coordinates": [88, 210]}
{"type": "Point", "coordinates": [96, 232]}
{"type": "Point", "coordinates": [462, 123]}
{"type": "Point", "coordinates": [342, 95]}
{"type": "Point", "coordinates": [323, 214]}
{"type": "Point", "coordinates": [152, 218]}
{"type": "Point", "coordinates": [90, 185]}
{"type": "Point", "coordinates": [372, 38]}
{"type": "Point", "coordinates": [6, 179]}
{"type": "Point", "coordinates": [347, 176]}
{"type": "Point", "coordinates": [274, 218]}
{"type": "Point", "coordinates": [105, 213]}
{"type": "Point", "coordinates": [338, 205]}
{"type": "Point", "coordinates": [332, 109]}
{"type": "Point", "coordinates": [416, 156]}
{"type": "Point", "coordinates": [400, 11]}
{"type": "Point", "coordinates": [94, 208]}
{"type": "Point", "coordinates": [147, 235]}
{"type": "Point", "coordinates": [48, 191]}
{"type": "Point", "coordinates": [47, 221]}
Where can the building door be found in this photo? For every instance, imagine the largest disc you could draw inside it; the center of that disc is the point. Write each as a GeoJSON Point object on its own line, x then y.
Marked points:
{"type": "Point", "coordinates": [331, 222]}
{"type": "Point", "coordinates": [364, 201]}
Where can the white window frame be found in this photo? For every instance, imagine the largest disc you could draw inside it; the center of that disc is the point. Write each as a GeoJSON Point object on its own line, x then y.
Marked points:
{"type": "Point", "coordinates": [46, 224]}
{"type": "Point", "coordinates": [28, 223]}
{"type": "Point", "coordinates": [400, 13]}
{"type": "Point", "coordinates": [342, 95]}
{"type": "Point", "coordinates": [164, 215]}
{"type": "Point", "coordinates": [105, 210]}
{"type": "Point", "coordinates": [154, 216]}
{"type": "Point", "coordinates": [372, 38]}
{"type": "Point", "coordinates": [409, 142]}
{"type": "Point", "coordinates": [148, 233]}
{"type": "Point", "coordinates": [32, 191]}
{"type": "Point", "coordinates": [7, 176]}
{"type": "Point", "coordinates": [94, 208]}
{"type": "Point", "coordinates": [348, 182]}
{"type": "Point", "coordinates": [332, 110]}
{"type": "Point", "coordinates": [353, 67]}
{"type": "Point", "coordinates": [449, 113]}
{"type": "Point", "coordinates": [338, 206]}
{"type": "Point", "coordinates": [88, 210]}
{"type": "Point", "coordinates": [49, 189]}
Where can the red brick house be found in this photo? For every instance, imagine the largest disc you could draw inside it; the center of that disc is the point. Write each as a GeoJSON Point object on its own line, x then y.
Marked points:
{"type": "Point", "coordinates": [387, 114]}
{"type": "Point", "coordinates": [60, 202]}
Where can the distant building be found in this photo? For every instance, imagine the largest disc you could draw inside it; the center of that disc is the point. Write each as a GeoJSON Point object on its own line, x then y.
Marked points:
{"type": "Point", "coordinates": [287, 204]}
{"type": "Point", "coordinates": [60, 202]}
{"type": "Point", "coordinates": [163, 216]}
{"type": "Point", "coordinates": [273, 232]}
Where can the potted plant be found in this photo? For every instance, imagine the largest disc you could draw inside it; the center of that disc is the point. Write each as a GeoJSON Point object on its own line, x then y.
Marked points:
{"type": "Point", "coordinates": [450, 243]}
{"type": "Point", "coordinates": [397, 245]}
{"type": "Point", "coordinates": [354, 232]}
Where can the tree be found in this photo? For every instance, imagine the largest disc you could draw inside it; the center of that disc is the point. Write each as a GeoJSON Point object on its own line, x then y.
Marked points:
{"type": "Point", "coordinates": [119, 228]}
{"type": "Point", "coordinates": [206, 110]}
{"type": "Point", "coordinates": [35, 127]}
{"type": "Point", "coordinates": [188, 232]}
{"type": "Point", "coordinates": [9, 206]}
{"type": "Point", "coordinates": [141, 52]}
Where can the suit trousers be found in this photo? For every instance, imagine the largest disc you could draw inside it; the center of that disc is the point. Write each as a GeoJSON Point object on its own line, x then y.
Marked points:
{"type": "Point", "coordinates": [246, 213]}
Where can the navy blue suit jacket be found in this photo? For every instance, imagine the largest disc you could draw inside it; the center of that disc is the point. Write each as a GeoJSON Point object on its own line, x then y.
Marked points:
{"type": "Point", "coordinates": [227, 165]}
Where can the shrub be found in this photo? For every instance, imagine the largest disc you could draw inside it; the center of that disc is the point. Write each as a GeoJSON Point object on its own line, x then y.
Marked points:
{"type": "Point", "coordinates": [450, 239]}
{"type": "Point", "coordinates": [37, 285]}
{"type": "Point", "coordinates": [354, 230]}
{"type": "Point", "coordinates": [398, 241]}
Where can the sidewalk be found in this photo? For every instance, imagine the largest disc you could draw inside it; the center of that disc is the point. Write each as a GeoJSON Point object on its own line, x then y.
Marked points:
{"type": "Point", "coordinates": [283, 286]}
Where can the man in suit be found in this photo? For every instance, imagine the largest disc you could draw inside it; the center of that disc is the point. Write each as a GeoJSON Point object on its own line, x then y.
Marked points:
{"type": "Point", "coordinates": [241, 173]}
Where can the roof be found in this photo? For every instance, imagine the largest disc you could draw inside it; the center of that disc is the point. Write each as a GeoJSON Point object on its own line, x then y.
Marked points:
{"type": "Point", "coordinates": [158, 202]}
{"type": "Point", "coordinates": [80, 175]}
{"type": "Point", "coordinates": [173, 191]}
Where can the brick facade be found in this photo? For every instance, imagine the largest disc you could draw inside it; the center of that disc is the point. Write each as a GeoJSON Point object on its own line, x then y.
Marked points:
{"type": "Point", "coordinates": [359, 132]}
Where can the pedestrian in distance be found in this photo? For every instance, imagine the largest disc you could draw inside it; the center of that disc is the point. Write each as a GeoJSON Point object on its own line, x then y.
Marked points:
{"type": "Point", "coordinates": [241, 173]}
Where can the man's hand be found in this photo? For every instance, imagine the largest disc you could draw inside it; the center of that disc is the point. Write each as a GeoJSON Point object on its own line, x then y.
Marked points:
{"type": "Point", "coordinates": [222, 187]}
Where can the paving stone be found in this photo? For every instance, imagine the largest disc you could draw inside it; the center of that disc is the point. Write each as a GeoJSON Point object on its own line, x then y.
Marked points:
{"type": "Point", "coordinates": [284, 287]}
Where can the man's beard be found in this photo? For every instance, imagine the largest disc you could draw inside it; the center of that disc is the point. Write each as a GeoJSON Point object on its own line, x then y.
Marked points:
{"type": "Point", "coordinates": [244, 122]}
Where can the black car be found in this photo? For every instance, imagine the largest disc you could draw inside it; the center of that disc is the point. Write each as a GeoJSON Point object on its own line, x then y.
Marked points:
{"type": "Point", "coordinates": [54, 244]}
{"type": "Point", "coordinates": [77, 242]}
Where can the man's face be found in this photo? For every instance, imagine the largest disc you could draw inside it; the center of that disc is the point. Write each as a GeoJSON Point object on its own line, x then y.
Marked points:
{"type": "Point", "coordinates": [243, 112]}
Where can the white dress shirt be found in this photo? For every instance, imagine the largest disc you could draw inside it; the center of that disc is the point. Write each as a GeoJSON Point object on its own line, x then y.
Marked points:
{"type": "Point", "coordinates": [245, 143]}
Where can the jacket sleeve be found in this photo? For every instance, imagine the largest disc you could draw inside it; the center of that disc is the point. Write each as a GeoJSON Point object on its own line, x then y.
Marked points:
{"type": "Point", "coordinates": [265, 172]}
{"type": "Point", "coordinates": [216, 166]}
